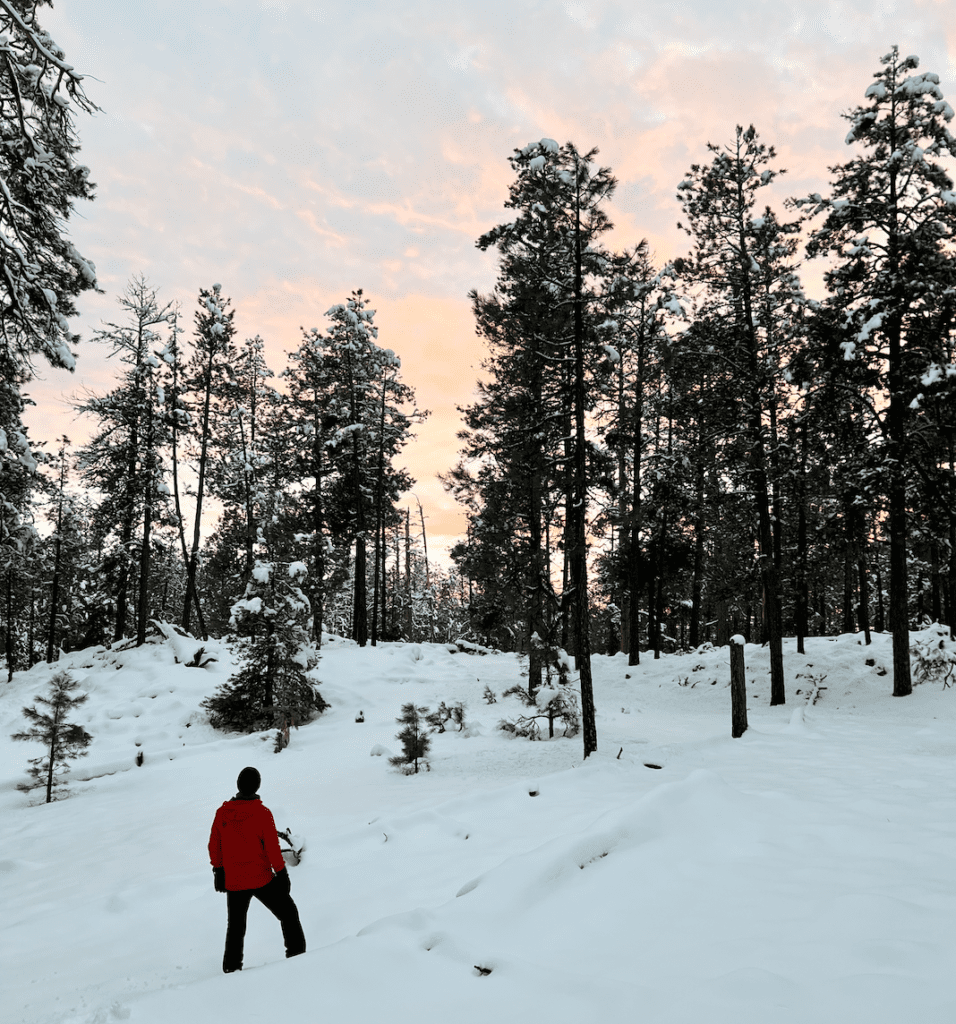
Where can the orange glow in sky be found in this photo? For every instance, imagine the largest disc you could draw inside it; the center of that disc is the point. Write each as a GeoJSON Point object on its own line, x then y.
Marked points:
{"type": "Point", "coordinates": [295, 151]}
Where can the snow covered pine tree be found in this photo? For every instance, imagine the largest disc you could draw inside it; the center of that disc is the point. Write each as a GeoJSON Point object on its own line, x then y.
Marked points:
{"type": "Point", "coordinates": [271, 688]}
{"type": "Point", "coordinates": [890, 225]}
{"type": "Point", "coordinates": [40, 270]}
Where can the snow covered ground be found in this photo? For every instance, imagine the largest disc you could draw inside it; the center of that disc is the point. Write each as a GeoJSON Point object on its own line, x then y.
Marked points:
{"type": "Point", "coordinates": [804, 873]}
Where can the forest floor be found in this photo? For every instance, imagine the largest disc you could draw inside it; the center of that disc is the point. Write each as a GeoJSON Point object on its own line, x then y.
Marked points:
{"type": "Point", "coordinates": [803, 874]}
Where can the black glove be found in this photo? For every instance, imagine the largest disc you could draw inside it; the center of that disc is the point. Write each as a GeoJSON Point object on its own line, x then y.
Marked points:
{"type": "Point", "coordinates": [219, 874]}
{"type": "Point", "coordinates": [281, 880]}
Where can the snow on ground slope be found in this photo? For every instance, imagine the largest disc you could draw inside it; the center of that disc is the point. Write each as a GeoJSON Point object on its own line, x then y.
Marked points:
{"type": "Point", "coordinates": [802, 873]}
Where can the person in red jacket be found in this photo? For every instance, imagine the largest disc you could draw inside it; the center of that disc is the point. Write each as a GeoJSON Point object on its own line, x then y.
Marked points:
{"type": "Point", "coordinates": [244, 852]}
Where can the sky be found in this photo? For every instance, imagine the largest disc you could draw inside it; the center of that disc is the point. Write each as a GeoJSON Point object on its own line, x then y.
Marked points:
{"type": "Point", "coordinates": [295, 150]}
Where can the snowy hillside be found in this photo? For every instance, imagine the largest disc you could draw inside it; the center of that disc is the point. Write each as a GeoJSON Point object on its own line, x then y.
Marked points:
{"type": "Point", "coordinates": [803, 873]}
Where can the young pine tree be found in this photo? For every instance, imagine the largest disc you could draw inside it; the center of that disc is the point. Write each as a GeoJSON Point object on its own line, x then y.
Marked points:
{"type": "Point", "coordinates": [271, 688]}
{"type": "Point", "coordinates": [415, 741]}
{"type": "Point", "coordinates": [64, 741]}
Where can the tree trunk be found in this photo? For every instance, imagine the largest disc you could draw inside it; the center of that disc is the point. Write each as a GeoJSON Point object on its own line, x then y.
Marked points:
{"type": "Point", "coordinates": [880, 612]}
{"type": "Point", "coordinates": [379, 551]}
{"type": "Point", "coordinates": [699, 528]}
{"type": "Point", "coordinates": [408, 575]}
{"type": "Point", "coordinates": [848, 625]}
{"type": "Point", "coordinates": [192, 566]}
{"type": "Point", "coordinates": [636, 511]}
{"type": "Point", "coordinates": [579, 556]}
{"type": "Point", "coordinates": [51, 645]}
{"type": "Point", "coordinates": [738, 691]}
{"type": "Point", "coordinates": [122, 586]}
{"type": "Point", "coordinates": [142, 610]}
{"type": "Point", "coordinates": [951, 610]}
{"type": "Point", "coordinates": [54, 736]}
{"type": "Point", "coordinates": [899, 611]}
{"type": "Point", "coordinates": [359, 603]}
{"type": "Point", "coordinates": [768, 571]}
{"type": "Point", "coordinates": [8, 630]}
{"type": "Point", "coordinates": [937, 590]}
{"type": "Point", "coordinates": [318, 519]}
{"type": "Point", "coordinates": [802, 596]}
{"type": "Point", "coordinates": [864, 597]}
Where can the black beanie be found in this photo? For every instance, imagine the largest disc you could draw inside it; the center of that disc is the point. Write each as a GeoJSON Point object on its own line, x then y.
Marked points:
{"type": "Point", "coordinates": [248, 782]}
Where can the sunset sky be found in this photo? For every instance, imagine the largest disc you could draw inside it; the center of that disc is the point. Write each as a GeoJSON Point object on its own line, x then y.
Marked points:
{"type": "Point", "coordinates": [295, 150]}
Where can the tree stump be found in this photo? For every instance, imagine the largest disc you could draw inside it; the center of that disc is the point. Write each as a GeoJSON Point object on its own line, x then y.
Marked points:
{"type": "Point", "coordinates": [738, 688]}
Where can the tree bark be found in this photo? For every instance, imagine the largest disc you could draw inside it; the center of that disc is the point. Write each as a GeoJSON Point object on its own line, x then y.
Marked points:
{"type": "Point", "coordinates": [192, 595]}
{"type": "Point", "coordinates": [802, 596]}
{"type": "Point", "coordinates": [579, 563]}
{"type": "Point", "coordinates": [738, 691]}
{"type": "Point", "coordinates": [699, 530]}
{"type": "Point", "coordinates": [899, 611]}
{"type": "Point", "coordinates": [636, 511]}
{"type": "Point", "coordinates": [142, 604]}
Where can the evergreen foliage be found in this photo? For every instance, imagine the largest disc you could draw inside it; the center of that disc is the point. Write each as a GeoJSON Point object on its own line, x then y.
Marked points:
{"type": "Point", "coordinates": [656, 457]}
{"type": "Point", "coordinates": [555, 700]}
{"type": "Point", "coordinates": [64, 740]}
{"type": "Point", "coordinates": [742, 267]}
{"type": "Point", "coordinates": [414, 739]}
{"type": "Point", "coordinates": [41, 271]}
{"type": "Point", "coordinates": [271, 688]}
{"type": "Point", "coordinates": [123, 460]}
{"type": "Point", "coordinates": [204, 378]}
{"type": "Point", "coordinates": [445, 713]}
{"type": "Point", "coordinates": [889, 226]}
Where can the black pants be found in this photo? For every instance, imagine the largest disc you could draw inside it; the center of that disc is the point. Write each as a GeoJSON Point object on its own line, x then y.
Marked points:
{"type": "Point", "coordinates": [281, 905]}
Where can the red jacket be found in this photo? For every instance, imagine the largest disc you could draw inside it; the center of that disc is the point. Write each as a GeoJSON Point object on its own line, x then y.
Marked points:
{"type": "Point", "coordinates": [244, 841]}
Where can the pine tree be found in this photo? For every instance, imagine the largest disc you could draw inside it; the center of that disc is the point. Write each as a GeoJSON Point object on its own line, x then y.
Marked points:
{"type": "Point", "coordinates": [415, 740]}
{"type": "Point", "coordinates": [64, 741]}
{"type": "Point", "coordinates": [349, 404]}
{"type": "Point", "coordinates": [203, 382]}
{"type": "Point", "coordinates": [542, 320]}
{"type": "Point", "coordinates": [176, 420]}
{"type": "Point", "coordinates": [638, 302]}
{"type": "Point", "coordinates": [236, 464]}
{"type": "Point", "coordinates": [124, 458]}
{"type": "Point", "coordinates": [889, 225]}
{"type": "Point", "coordinates": [271, 688]}
{"type": "Point", "coordinates": [41, 271]}
{"type": "Point", "coordinates": [59, 583]}
{"type": "Point", "coordinates": [742, 265]}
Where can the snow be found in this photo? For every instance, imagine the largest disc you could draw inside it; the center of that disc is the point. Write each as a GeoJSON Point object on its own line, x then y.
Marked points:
{"type": "Point", "coordinates": [612, 353]}
{"type": "Point", "coordinates": [871, 325]}
{"type": "Point", "coordinates": [799, 874]}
